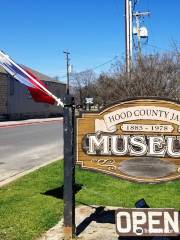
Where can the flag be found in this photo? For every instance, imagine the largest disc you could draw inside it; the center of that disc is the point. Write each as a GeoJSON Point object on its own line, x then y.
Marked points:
{"type": "Point", "coordinates": [36, 87]}
{"type": "Point", "coordinates": [37, 94]}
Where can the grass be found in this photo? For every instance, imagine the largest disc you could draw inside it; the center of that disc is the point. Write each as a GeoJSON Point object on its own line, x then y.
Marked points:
{"type": "Point", "coordinates": [25, 212]}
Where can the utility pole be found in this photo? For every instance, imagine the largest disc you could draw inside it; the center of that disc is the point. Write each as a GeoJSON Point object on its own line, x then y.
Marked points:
{"type": "Point", "coordinates": [127, 37]}
{"type": "Point", "coordinates": [130, 34]}
{"type": "Point", "coordinates": [138, 15]}
{"type": "Point", "coordinates": [67, 68]}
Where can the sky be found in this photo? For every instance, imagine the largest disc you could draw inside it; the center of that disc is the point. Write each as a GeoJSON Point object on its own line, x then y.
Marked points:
{"type": "Point", "coordinates": [36, 32]}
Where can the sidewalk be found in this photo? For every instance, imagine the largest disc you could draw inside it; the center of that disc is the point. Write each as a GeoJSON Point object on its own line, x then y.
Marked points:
{"type": "Point", "coordinates": [28, 122]}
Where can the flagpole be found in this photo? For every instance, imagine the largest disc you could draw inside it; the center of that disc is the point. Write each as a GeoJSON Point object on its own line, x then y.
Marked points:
{"type": "Point", "coordinates": [58, 100]}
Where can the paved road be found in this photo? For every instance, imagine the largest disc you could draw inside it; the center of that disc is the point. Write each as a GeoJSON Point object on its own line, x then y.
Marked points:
{"type": "Point", "coordinates": [25, 147]}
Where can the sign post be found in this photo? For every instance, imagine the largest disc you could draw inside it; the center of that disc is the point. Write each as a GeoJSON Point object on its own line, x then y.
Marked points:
{"type": "Point", "coordinates": [89, 102]}
{"type": "Point", "coordinates": [69, 168]}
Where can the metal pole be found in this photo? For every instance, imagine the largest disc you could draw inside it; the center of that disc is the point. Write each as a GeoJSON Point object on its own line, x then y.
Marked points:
{"type": "Point", "coordinates": [69, 163]}
{"type": "Point", "coordinates": [138, 15]}
{"type": "Point", "coordinates": [127, 36]}
{"type": "Point", "coordinates": [69, 168]}
{"type": "Point", "coordinates": [138, 36]}
{"type": "Point", "coordinates": [130, 34]}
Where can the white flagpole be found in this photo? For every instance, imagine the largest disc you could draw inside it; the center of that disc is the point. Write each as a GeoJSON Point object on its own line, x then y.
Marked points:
{"type": "Point", "coordinates": [58, 100]}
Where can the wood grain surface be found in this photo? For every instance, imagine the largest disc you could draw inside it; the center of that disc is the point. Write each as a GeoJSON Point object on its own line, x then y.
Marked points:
{"type": "Point", "coordinates": [114, 165]}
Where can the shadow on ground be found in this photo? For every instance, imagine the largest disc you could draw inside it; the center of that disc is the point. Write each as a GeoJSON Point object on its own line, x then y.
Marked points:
{"type": "Point", "coordinates": [100, 215]}
{"type": "Point", "coordinates": [58, 192]}
{"type": "Point", "coordinates": [108, 216]}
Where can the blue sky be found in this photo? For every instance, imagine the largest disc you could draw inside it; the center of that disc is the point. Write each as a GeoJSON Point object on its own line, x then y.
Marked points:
{"type": "Point", "coordinates": [35, 32]}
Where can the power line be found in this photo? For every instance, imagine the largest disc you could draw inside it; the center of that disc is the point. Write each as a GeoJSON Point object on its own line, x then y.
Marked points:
{"type": "Point", "coordinates": [98, 66]}
{"type": "Point", "coordinates": [105, 63]}
{"type": "Point", "coordinates": [154, 46]}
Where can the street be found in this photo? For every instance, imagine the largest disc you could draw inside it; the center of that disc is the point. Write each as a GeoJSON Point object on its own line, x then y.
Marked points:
{"type": "Point", "coordinates": [25, 147]}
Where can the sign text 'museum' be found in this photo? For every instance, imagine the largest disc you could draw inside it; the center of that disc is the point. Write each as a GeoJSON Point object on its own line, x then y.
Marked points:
{"type": "Point", "coordinates": [138, 145]}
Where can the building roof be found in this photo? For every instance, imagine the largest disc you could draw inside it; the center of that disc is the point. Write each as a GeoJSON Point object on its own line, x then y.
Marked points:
{"type": "Point", "coordinates": [41, 76]}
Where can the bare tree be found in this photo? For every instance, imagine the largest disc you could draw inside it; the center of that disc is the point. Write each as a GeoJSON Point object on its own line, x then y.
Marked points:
{"type": "Point", "coordinates": [156, 75]}
{"type": "Point", "coordinates": [83, 84]}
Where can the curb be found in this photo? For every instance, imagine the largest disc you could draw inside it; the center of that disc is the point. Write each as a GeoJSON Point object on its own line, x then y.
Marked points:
{"type": "Point", "coordinates": [25, 172]}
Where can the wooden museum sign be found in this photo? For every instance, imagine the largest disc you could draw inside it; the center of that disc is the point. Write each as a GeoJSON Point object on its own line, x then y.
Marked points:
{"type": "Point", "coordinates": [137, 140]}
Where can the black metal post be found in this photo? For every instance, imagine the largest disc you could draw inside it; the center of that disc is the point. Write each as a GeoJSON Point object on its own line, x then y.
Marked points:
{"type": "Point", "coordinates": [69, 168]}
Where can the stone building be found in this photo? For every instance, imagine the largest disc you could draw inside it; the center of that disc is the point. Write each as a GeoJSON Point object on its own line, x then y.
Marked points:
{"type": "Point", "coordinates": [17, 103]}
